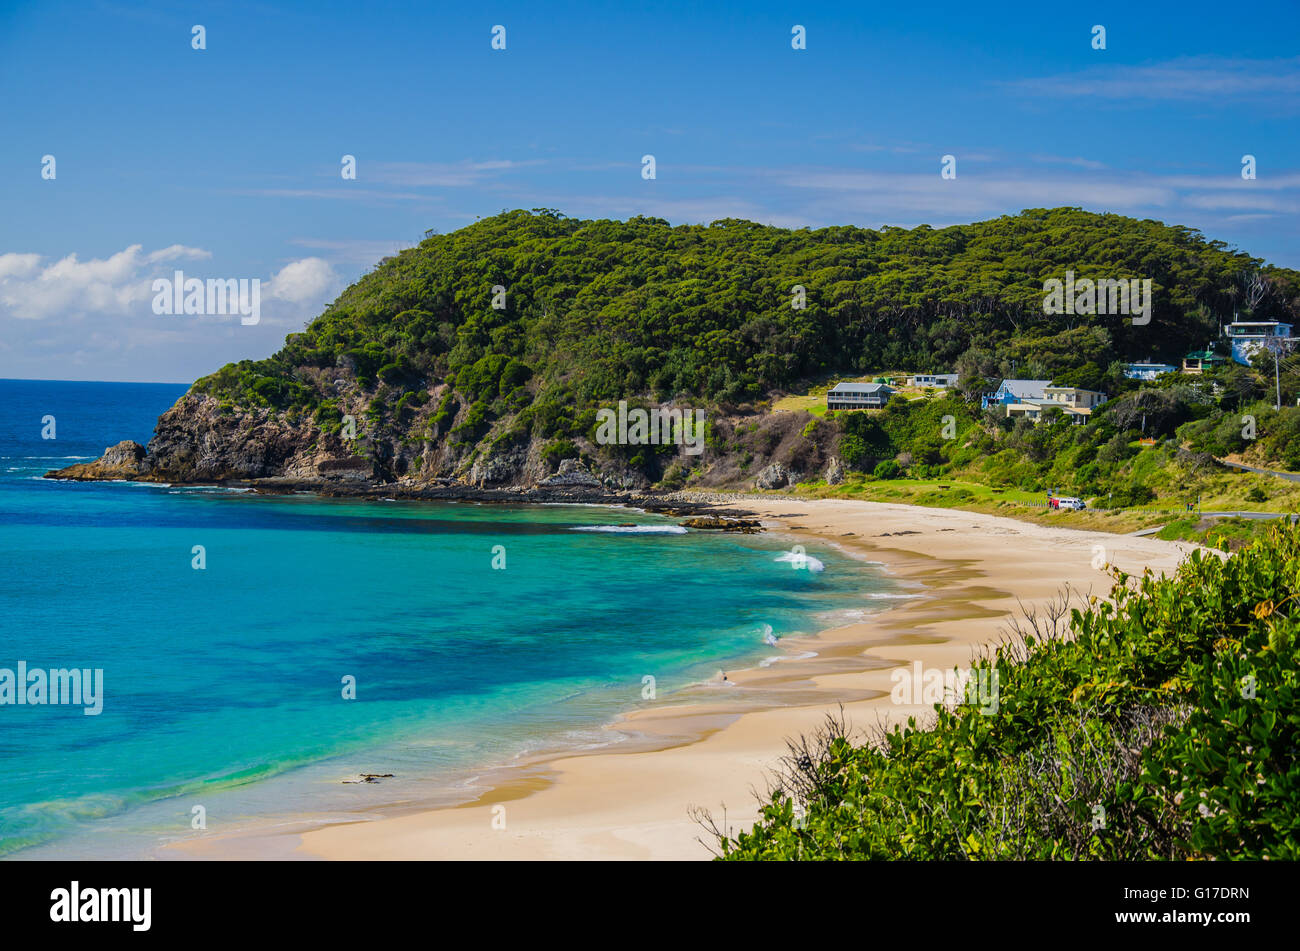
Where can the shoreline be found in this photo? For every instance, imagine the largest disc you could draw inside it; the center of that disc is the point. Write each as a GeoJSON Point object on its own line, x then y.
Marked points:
{"type": "Point", "coordinates": [630, 800]}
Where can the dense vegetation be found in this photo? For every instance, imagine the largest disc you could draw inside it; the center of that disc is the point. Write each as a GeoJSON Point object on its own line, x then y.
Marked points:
{"type": "Point", "coordinates": [1161, 724]}
{"type": "Point", "coordinates": [1186, 421]}
{"type": "Point", "coordinates": [597, 311]}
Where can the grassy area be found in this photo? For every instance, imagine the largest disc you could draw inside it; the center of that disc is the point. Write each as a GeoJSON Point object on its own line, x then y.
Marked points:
{"type": "Point", "coordinates": [1028, 506]}
{"type": "Point", "coordinates": [976, 497]}
{"type": "Point", "coordinates": [1225, 534]}
{"type": "Point", "coordinates": [814, 401]}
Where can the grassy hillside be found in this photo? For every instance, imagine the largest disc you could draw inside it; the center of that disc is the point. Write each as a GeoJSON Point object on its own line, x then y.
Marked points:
{"type": "Point", "coordinates": [502, 340]}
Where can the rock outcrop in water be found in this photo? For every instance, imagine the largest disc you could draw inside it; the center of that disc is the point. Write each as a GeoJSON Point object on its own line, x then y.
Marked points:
{"type": "Point", "coordinates": [204, 440]}
{"type": "Point", "coordinates": [199, 441]}
{"type": "Point", "coordinates": [720, 524]}
{"type": "Point", "coordinates": [125, 461]}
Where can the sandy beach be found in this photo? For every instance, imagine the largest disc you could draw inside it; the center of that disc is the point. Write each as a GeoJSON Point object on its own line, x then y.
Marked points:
{"type": "Point", "coordinates": [971, 572]}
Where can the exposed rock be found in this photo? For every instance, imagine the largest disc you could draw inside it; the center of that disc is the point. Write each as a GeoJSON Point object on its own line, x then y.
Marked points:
{"type": "Point", "coordinates": [625, 480]}
{"type": "Point", "coordinates": [775, 476]}
{"type": "Point", "coordinates": [572, 473]}
{"type": "Point", "coordinates": [123, 461]}
{"type": "Point", "coordinates": [352, 467]}
{"type": "Point", "coordinates": [369, 778]}
{"type": "Point", "coordinates": [746, 525]}
{"type": "Point", "coordinates": [834, 471]}
{"type": "Point", "coordinates": [498, 469]}
{"type": "Point", "coordinates": [197, 441]}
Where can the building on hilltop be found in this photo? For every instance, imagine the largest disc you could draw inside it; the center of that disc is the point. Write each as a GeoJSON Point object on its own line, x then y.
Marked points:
{"type": "Point", "coordinates": [858, 396]}
{"type": "Point", "coordinates": [1248, 337]}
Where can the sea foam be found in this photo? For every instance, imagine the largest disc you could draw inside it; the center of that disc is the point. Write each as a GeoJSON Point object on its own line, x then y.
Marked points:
{"type": "Point", "coordinates": [809, 562]}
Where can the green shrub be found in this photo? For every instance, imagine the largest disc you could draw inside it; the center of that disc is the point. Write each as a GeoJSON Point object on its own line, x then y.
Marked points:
{"type": "Point", "coordinates": [1164, 726]}
{"type": "Point", "coordinates": [559, 450]}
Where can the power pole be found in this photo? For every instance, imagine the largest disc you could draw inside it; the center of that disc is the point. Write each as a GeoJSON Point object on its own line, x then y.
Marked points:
{"type": "Point", "coordinates": [1277, 379]}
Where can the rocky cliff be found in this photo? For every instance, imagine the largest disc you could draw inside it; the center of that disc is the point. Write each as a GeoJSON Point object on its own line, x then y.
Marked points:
{"type": "Point", "coordinates": [200, 440]}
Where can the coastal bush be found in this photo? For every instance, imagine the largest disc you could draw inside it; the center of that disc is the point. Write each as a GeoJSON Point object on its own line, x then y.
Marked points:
{"type": "Point", "coordinates": [601, 311]}
{"type": "Point", "coordinates": [558, 451]}
{"type": "Point", "coordinates": [1159, 724]}
{"type": "Point", "coordinates": [1128, 496]}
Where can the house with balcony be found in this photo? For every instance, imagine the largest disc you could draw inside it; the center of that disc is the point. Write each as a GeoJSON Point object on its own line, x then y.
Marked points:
{"type": "Point", "coordinates": [1075, 402]}
{"type": "Point", "coordinates": [858, 396]}
{"type": "Point", "coordinates": [1248, 337]}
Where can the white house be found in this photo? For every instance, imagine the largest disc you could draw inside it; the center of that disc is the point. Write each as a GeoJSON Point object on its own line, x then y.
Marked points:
{"type": "Point", "coordinates": [1147, 371]}
{"type": "Point", "coordinates": [858, 396]}
{"type": "Point", "coordinates": [1250, 336]}
{"type": "Point", "coordinates": [940, 381]}
{"type": "Point", "coordinates": [1073, 401]}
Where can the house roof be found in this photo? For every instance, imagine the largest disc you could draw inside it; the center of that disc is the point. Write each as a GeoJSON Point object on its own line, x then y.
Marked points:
{"type": "Point", "coordinates": [858, 387]}
{"type": "Point", "coordinates": [1025, 389]}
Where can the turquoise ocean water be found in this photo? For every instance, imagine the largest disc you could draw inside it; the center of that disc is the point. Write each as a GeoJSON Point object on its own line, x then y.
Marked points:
{"type": "Point", "coordinates": [223, 686]}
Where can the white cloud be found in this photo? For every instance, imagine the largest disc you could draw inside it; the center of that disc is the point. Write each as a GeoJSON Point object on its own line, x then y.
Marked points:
{"type": "Point", "coordinates": [18, 265]}
{"type": "Point", "coordinates": [354, 252]}
{"type": "Point", "coordinates": [120, 285]}
{"type": "Point", "coordinates": [1205, 78]}
{"type": "Point", "coordinates": [970, 195]}
{"type": "Point", "coordinates": [70, 286]}
{"type": "Point", "coordinates": [442, 174]}
{"type": "Point", "coordinates": [301, 281]}
{"type": "Point", "coordinates": [177, 251]}
{"type": "Point", "coordinates": [68, 318]}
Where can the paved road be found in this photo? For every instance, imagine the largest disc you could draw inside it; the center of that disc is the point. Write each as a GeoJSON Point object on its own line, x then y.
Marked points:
{"type": "Point", "coordinates": [1253, 515]}
{"type": "Point", "coordinates": [1289, 476]}
{"type": "Point", "coordinates": [1247, 515]}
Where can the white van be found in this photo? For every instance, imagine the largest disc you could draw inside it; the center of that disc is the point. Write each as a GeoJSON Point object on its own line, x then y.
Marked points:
{"type": "Point", "coordinates": [1069, 502]}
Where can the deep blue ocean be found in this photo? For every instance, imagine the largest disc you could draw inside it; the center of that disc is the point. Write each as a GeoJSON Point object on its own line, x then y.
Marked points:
{"type": "Point", "coordinates": [223, 687]}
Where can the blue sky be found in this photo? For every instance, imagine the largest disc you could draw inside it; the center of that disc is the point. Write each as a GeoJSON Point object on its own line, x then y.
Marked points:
{"type": "Point", "coordinates": [225, 162]}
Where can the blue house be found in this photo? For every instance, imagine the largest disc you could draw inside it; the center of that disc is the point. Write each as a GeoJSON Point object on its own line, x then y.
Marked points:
{"type": "Point", "coordinates": [1147, 371]}
{"type": "Point", "coordinates": [1250, 336]}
